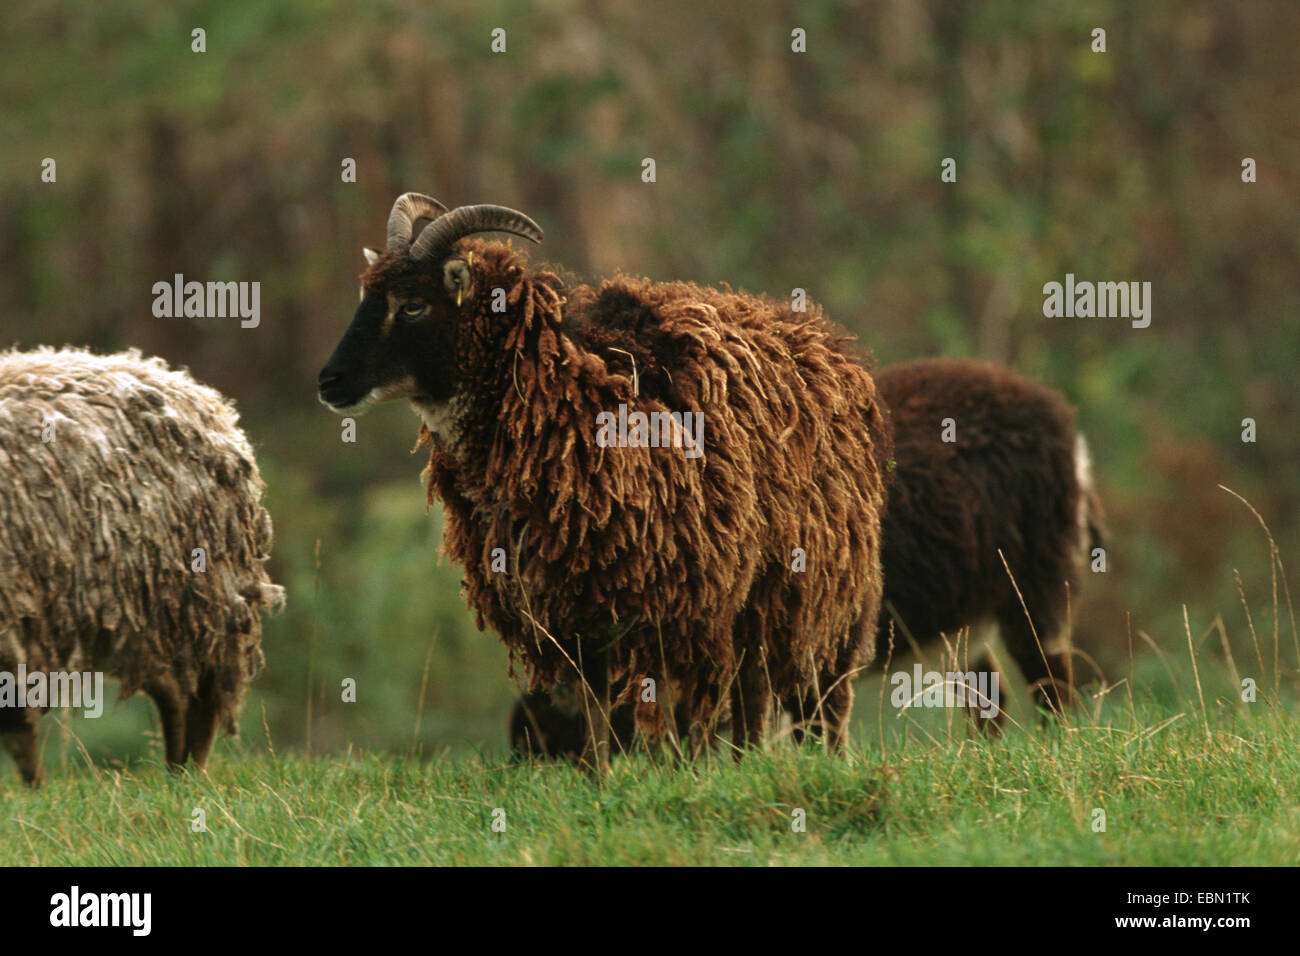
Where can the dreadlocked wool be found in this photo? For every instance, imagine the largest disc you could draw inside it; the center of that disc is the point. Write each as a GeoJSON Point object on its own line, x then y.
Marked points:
{"type": "Point", "coordinates": [132, 539]}
{"type": "Point", "coordinates": [1014, 483]}
{"type": "Point", "coordinates": [994, 524]}
{"type": "Point", "coordinates": [754, 567]}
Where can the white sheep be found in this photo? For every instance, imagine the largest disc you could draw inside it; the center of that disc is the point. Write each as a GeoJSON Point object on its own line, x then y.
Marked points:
{"type": "Point", "coordinates": [132, 541]}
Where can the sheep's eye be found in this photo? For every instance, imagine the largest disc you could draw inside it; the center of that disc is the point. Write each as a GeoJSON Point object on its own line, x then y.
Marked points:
{"type": "Point", "coordinates": [413, 309]}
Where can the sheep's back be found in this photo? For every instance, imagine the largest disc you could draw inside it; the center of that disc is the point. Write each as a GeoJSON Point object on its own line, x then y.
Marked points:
{"type": "Point", "coordinates": [1007, 483]}
{"type": "Point", "coordinates": [803, 406]}
{"type": "Point", "coordinates": [659, 553]}
{"type": "Point", "coordinates": [100, 523]}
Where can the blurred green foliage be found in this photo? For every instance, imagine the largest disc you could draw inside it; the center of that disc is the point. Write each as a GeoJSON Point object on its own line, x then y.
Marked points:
{"type": "Point", "coordinates": [775, 170]}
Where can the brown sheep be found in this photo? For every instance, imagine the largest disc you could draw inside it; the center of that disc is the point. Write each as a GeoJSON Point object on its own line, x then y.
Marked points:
{"type": "Point", "coordinates": [113, 470]}
{"type": "Point", "coordinates": [1017, 478]}
{"type": "Point", "coordinates": [748, 563]}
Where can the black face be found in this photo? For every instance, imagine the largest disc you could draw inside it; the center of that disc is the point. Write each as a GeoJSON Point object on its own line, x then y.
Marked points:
{"type": "Point", "coordinates": [399, 345]}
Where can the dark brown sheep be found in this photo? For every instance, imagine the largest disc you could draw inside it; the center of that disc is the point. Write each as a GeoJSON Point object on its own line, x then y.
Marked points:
{"type": "Point", "coordinates": [747, 572]}
{"type": "Point", "coordinates": [1016, 483]}
{"type": "Point", "coordinates": [551, 723]}
{"type": "Point", "coordinates": [1016, 478]}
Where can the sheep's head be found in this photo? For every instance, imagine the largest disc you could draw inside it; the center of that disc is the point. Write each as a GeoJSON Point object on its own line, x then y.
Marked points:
{"type": "Point", "coordinates": [415, 297]}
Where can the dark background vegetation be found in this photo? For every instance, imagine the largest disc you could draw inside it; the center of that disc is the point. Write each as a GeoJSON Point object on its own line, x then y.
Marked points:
{"type": "Point", "coordinates": [775, 170]}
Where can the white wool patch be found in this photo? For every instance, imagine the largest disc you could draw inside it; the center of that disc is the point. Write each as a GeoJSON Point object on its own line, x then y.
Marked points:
{"type": "Point", "coordinates": [143, 466]}
{"type": "Point", "coordinates": [442, 419]}
{"type": "Point", "coordinates": [404, 387]}
{"type": "Point", "coordinates": [1083, 478]}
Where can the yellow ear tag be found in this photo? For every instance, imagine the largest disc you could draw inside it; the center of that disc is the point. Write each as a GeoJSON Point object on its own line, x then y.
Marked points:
{"type": "Point", "coordinates": [470, 262]}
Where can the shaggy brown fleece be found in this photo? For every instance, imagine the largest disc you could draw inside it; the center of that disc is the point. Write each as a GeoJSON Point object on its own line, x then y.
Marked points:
{"type": "Point", "coordinates": [1015, 479]}
{"type": "Point", "coordinates": [676, 568]}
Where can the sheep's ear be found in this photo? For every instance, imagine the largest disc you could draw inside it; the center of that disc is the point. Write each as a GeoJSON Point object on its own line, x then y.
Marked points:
{"type": "Point", "coordinates": [455, 279]}
{"type": "Point", "coordinates": [372, 255]}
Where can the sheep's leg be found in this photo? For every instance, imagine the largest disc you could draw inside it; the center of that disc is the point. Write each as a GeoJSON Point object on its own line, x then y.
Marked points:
{"type": "Point", "coordinates": [808, 714]}
{"type": "Point", "coordinates": [526, 737]}
{"type": "Point", "coordinates": [1049, 668]}
{"type": "Point", "coordinates": [837, 708]}
{"type": "Point", "coordinates": [837, 686]}
{"type": "Point", "coordinates": [201, 722]}
{"type": "Point", "coordinates": [622, 725]}
{"type": "Point", "coordinates": [696, 714]}
{"type": "Point", "coordinates": [803, 707]}
{"type": "Point", "coordinates": [169, 700]}
{"type": "Point", "coordinates": [682, 721]}
{"type": "Point", "coordinates": [827, 706]}
{"type": "Point", "coordinates": [702, 740]}
{"type": "Point", "coordinates": [993, 726]}
{"type": "Point", "coordinates": [823, 714]}
{"type": "Point", "coordinates": [804, 710]}
{"type": "Point", "coordinates": [594, 684]}
{"type": "Point", "coordinates": [799, 726]}
{"type": "Point", "coordinates": [21, 744]}
{"type": "Point", "coordinates": [749, 706]}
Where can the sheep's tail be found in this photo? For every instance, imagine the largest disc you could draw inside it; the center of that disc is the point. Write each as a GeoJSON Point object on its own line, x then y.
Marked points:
{"type": "Point", "coordinates": [1092, 526]}
{"type": "Point", "coordinates": [265, 594]}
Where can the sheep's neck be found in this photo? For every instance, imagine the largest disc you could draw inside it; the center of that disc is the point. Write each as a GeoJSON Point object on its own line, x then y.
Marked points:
{"type": "Point", "coordinates": [505, 364]}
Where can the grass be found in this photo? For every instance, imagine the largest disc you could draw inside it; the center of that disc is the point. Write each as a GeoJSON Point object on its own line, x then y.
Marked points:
{"type": "Point", "coordinates": [1186, 768]}
{"type": "Point", "coordinates": [1172, 796]}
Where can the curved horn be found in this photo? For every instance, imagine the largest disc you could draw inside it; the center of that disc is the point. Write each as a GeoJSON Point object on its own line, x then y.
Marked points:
{"type": "Point", "coordinates": [401, 221]}
{"type": "Point", "coordinates": [437, 237]}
